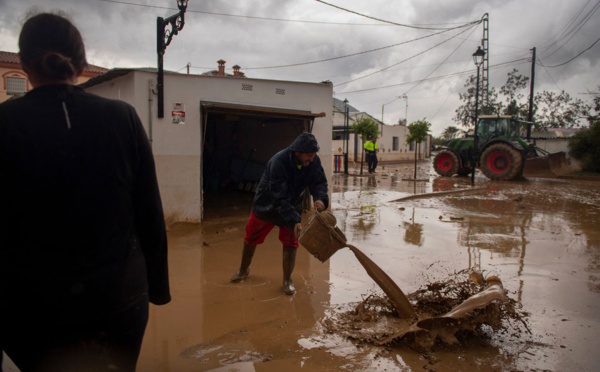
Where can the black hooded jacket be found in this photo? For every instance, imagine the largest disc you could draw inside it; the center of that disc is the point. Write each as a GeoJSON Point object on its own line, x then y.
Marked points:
{"type": "Point", "coordinates": [279, 195]}
{"type": "Point", "coordinates": [82, 232]}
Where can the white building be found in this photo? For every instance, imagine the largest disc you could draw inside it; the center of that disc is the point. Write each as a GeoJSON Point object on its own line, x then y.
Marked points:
{"type": "Point", "coordinates": [392, 145]}
{"type": "Point", "coordinates": [219, 131]}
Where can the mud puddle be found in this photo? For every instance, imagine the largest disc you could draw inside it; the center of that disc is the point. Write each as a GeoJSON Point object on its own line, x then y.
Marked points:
{"type": "Point", "coordinates": [446, 315]}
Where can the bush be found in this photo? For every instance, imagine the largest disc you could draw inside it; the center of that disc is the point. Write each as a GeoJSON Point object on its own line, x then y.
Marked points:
{"type": "Point", "coordinates": [585, 147]}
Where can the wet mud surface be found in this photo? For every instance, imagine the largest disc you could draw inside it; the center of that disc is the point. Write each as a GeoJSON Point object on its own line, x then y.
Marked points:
{"type": "Point", "coordinates": [539, 236]}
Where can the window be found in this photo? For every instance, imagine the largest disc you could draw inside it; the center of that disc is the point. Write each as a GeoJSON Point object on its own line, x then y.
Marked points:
{"type": "Point", "coordinates": [339, 133]}
{"type": "Point", "coordinates": [395, 143]}
{"type": "Point", "coordinates": [412, 146]}
{"type": "Point", "coordinates": [15, 85]}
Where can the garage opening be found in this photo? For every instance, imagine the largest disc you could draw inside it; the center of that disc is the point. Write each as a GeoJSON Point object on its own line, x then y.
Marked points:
{"type": "Point", "coordinates": [237, 142]}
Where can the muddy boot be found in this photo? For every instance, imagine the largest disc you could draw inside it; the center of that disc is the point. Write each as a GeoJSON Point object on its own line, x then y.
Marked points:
{"type": "Point", "coordinates": [245, 266]}
{"type": "Point", "coordinates": [289, 261]}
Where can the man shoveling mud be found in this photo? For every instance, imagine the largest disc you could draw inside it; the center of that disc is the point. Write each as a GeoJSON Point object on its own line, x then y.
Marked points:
{"type": "Point", "coordinates": [278, 201]}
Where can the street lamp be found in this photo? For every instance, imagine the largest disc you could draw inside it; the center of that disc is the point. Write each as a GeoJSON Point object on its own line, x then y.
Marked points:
{"type": "Point", "coordinates": [164, 36]}
{"type": "Point", "coordinates": [478, 60]}
{"type": "Point", "coordinates": [347, 134]}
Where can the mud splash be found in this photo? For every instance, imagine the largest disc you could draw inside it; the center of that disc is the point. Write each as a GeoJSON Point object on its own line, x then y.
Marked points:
{"type": "Point", "coordinates": [446, 314]}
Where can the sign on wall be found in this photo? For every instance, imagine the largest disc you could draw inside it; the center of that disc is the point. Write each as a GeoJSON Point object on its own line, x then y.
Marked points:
{"type": "Point", "coordinates": [178, 113]}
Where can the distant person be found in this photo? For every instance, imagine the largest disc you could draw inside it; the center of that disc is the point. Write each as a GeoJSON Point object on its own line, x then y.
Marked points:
{"type": "Point", "coordinates": [278, 202]}
{"type": "Point", "coordinates": [83, 245]}
{"type": "Point", "coordinates": [371, 153]}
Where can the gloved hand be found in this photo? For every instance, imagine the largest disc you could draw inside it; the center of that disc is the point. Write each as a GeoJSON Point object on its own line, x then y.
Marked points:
{"type": "Point", "coordinates": [319, 206]}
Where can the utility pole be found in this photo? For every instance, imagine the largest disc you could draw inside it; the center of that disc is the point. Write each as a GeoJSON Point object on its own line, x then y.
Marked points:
{"type": "Point", "coordinates": [347, 134]}
{"type": "Point", "coordinates": [485, 43]}
{"type": "Point", "coordinates": [530, 115]}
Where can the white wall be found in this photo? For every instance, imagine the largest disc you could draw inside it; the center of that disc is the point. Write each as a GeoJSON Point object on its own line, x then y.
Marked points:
{"type": "Point", "coordinates": [177, 148]}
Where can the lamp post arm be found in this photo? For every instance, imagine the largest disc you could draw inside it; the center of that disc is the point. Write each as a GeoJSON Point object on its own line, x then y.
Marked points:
{"type": "Point", "coordinates": [164, 36]}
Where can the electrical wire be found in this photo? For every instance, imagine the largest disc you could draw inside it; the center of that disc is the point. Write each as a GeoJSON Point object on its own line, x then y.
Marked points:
{"type": "Point", "coordinates": [346, 56]}
{"type": "Point", "coordinates": [583, 51]}
{"type": "Point", "coordinates": [564, 29]}
{"type": "Point", "coordinates": [445, 59]}
{"type": "Point", "coordinates": [243, 16]}
{"type": "Point", "coordinates": [394, 23]}
{"type": "Point", "coordinates": [441, 77]}
{"type": "Point", "coordinates": [404, 60]}
{"type": "Point", "coordinates": [569, 32]}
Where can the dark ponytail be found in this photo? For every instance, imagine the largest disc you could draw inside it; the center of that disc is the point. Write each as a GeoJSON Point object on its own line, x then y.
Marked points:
{"type": "Point", "coordinates": [51, 47]}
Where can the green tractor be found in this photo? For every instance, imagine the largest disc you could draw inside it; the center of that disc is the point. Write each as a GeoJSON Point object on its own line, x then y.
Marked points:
{"type": "Point", "coordinates": [501, 152]}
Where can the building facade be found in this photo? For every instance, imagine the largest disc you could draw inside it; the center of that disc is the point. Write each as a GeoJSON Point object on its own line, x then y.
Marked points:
{"type": "Point", "coordinates": [392, 145]}
{"type": "Point", "coordinates": [15, 82]}
{"type": "Point", "coordinates": [218, 131]}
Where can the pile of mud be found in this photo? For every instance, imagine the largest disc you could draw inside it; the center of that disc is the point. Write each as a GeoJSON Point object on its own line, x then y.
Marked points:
{"type": "Point", "coordinates": [446, 314]}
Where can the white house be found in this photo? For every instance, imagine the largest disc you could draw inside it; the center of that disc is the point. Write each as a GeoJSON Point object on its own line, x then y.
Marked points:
{"type": "Point", "coordinates": [218, 130]}
{"type": "Point", "coordinates": [392, 145]}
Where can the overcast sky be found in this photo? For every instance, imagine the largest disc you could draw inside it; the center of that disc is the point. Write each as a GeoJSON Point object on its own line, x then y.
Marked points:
{"type": "Point", "coordinates": [422, 59]}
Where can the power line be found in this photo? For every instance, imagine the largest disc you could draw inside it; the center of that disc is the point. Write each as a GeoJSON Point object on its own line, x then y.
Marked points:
{"type": "Point", "coordinates": [583, 51]}
{"type": "Point", "coordinates": [404, 60]}
{"type": "Point", "coordinates": [345, 56]}
{"type": "Point", "coordinates": [405, 83]}
{"type": "Point", "coordinates": [242, 16]}
{"type": "Point", "coordinates": [572, 31]}
{"type": "Point", "coordinates": [394, 23]}
{"type": "Point", "coordinates": [445, 59]}
{"type": "Point", "coordinates": [522, 60]}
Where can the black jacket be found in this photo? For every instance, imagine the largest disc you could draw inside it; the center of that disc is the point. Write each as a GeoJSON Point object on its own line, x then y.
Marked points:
{"type": "Point", "coordinates": [82, 232]}
{"type": "Point", "coordinates": [279, 195]}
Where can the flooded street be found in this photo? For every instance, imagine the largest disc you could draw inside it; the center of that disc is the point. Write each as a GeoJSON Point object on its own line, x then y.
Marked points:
{"type": "Point", "coordinates": [539, 236]}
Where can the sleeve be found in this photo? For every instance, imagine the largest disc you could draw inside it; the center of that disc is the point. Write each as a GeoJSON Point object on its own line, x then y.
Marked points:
{"type": "Point", "coordinates": [280, 189]}
{"type": "Point", "coordinates": [149, 219]}
{"type": "Point", "coordinates": [318, 184]}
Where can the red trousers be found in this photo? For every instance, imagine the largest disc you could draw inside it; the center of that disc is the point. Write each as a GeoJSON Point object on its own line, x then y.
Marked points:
{"type": "Point", "coordinates": [257, 230]}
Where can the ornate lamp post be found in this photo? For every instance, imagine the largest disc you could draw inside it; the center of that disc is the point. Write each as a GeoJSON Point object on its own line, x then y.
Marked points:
{"type": "Point", "coordinates": [163, 39]}
{"type": "Point", "coordinates": [478, 60]}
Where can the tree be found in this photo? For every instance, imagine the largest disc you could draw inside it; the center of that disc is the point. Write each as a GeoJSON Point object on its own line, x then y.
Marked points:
{"type": "Point", "coordinates": [585, 145]}
{"type": "Point", "coordinates": [513, 96]}
{"type": "Point", "coordinates": [558, 110]}
{"type": "Point", "coordinates": [549, 110]}
{"type": "Point", "coordinates": [417, 132]}
{"type": "Point", "coordinates": [466, 113]}
{"type": "Point", "coordinates": [365, 127]}
{"type": "Point", "coordinates": [450, 132]}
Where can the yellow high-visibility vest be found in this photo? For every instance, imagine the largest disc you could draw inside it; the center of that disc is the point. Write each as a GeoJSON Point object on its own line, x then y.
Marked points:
{"type": "Point", "coordinates": [370, 146]}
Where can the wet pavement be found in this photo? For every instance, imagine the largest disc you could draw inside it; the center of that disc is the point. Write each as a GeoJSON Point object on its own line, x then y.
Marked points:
{"type": "Point", "coordinates": [539, 236]}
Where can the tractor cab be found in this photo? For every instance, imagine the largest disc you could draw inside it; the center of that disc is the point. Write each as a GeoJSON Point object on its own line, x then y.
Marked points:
{"type": "Point", "coordinates": [491, 127]}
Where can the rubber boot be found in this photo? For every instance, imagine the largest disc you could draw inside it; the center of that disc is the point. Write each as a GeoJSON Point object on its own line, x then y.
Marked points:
{"type": "Point", "coordinates": [289, 261]}
{"type": "Point", "coordinates": [244, 270]}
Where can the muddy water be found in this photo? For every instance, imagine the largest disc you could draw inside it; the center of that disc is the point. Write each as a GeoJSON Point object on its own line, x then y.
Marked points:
{"type": "Point", "coordinates": [540, 236]}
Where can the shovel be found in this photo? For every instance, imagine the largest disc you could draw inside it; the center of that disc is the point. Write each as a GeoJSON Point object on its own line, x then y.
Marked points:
{"type": "Point", "coordinates": [322, 239]}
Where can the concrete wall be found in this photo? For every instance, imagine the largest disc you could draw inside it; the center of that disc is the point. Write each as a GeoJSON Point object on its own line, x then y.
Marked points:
{"type": "Point", "coordinates": [177, 147]}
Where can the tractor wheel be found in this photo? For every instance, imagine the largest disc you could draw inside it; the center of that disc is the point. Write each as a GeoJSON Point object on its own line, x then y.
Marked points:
{"type": "Point", "coordinates": [446, 163]}
{"type": "Point", "coordinates": [501, 162]}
